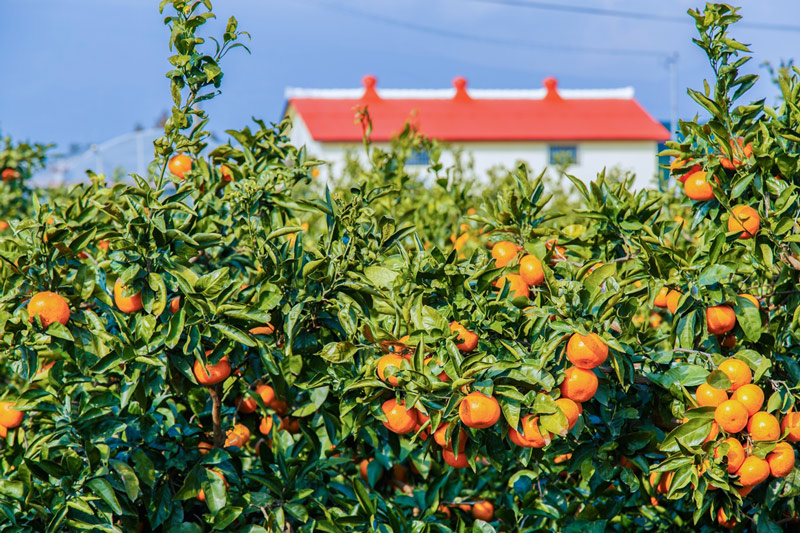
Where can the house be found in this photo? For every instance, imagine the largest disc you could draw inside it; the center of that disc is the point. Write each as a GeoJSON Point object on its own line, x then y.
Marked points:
{"type": "Point", "coordinates": [588, 128]}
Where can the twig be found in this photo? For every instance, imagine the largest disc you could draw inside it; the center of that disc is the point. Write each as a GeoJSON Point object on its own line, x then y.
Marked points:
{"type": "Point", "coordinates": [216, 418]}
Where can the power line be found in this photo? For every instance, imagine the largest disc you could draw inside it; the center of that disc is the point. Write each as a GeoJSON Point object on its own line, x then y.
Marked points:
{"type": "Point", "coordinates": [555, 48]}
{"type": "Point", "coordinates": [586, 10]}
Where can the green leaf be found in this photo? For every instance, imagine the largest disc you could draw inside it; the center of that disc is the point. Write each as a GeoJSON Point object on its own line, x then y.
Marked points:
{"type": "Point", "coordinates": [235, 334]}
{"type": "Point", "coordinates": [381, 276]}
{"type": "Point", "coordinates": [103, 489]}
{"type": "Point", "coordinates": [338, 352]}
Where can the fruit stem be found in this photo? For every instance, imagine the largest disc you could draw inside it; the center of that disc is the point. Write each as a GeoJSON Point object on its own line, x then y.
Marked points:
{"type": "Point", "coordinates": [216, 418]}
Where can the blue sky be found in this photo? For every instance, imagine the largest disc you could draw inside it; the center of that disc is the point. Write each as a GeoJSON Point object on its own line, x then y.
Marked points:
{"type": "Point", "coordinates": [89, 70]}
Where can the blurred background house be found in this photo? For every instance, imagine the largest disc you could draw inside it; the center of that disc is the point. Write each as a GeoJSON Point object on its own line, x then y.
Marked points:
{"type": "Point", "coordinates": [583, 130]}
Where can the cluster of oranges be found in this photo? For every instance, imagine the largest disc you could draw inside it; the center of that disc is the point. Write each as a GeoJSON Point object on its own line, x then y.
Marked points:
{"type": "Point", "coordinates": [720, 319]}
{"type": "Point", "coordinates": [735, 413]}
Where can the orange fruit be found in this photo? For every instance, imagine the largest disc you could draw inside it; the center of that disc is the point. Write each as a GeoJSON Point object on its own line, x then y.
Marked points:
{"type": "Point", "coordinates": [9, 174]}
{"type": "Point", "coordinates": [445, 510]}
{"type": "Point", "coordinates": [731, 416]}
{"type": "Point", "coordinates": [518, 438]}
{"type": "Point", "coordinates": [663, 483]}
{"type": "Point", "coordinates": [570, 409]}
{"type": "Point", "coordinates": [735, 454]}
{"type": "Point", "coordinates": [467, 340]}
{"type": "Point", "coordinates": [126, 304]}
{"type": "Point", "coordinates": [386, 361]}
{"type": "Point", "coordinates": [245, 405]}
{"type": "Point", "coordinates": [673, 298]}
{"type": "Point", "coordinates": [720, 319]}
{"type": "Point", "coordinates": [516, 286]}
{"type": "Point", "coordinates": [209, 375]}
{"type": "Point", "coordinates": [536, 436]}
{"type": "Point", "coordinates": [10, 418]}
{"type": "Point", "coordinates": [745, 490]}
{"type": "Point", "coordinates": [560, 252]}
{"type": "Point", "coordinates": [279, 406]}
{"type": "Point", "coordinates": [504, 252]}
{"type": "Point", "coordinates": [530, 268]}
{"type": "Point", "coordinates": [174, 305]}
{"type": "Point", "coordinates": [586, 351]}
{"type": "Point", "coordinates": [745, 219]}
{"type": "Point", "coordinates": [442, 375]}
{"type": "Point", "coordinates": [3, 432]}
{"type": "Point", "coordinates": [478, 410]}
{"type": "Point", "coordinates": [237, 436]}
{"type": "Point", "coordinates": [202, 495]}
{"type": "Point", "coordinates": [267, 394]}
{"type": "Point", "coordinates": [563, 458]}
{"type": "Point", "coordinates": [450, 458]}
{"type": "Point", "coordinates": [579, 384]}
{"type": "Point", "coordinates": [180, 165]}
{"type": "Point", "coordinates": [292, 425]}
{"type": "Point", "coordinates": [737, 371]}
{"type": "Point", "coordinates": [398, 418]}
{"type": "Point", "coordinates": [722, 519]}
{"type": "Point", "coordinates": [697, 187]}
{"type": "Point", "coordinates": [728, 341]}
{"type": "Point", "coordinates": [680, 163]}
{"type": "Point", "coordinates": [751, 397]}
{"type": "Point", "coordinates": [227, 174]}
{"type": "Point", "coordinates": [362, 468]}
{"type": "Point", "coordinates": [781, 459]}
{"type": "Point", "coordinates": [269, 329]}
{"type": "Point", "coordinates": [439, 437]}
{"type": "Point", "coordinates": [3, 225]}
{"type": "Point", "coordinates": [265, 427]}
{"type": "Point", "coordinates": [661, 297]}
{"type": "Point", "coordinates": [753, 471]}
{"type": "Point", "coordinates": [204, 447]}
{"type": "Point", "coordinates": [791, 423]}
{"type": "Point", "coordinates": [762, 426]}
{"type": "Point", "coordinates": [708, 396]}
{"type": "Point", "coordinates": [50, 307]}
{"type": "Point", "coordinates": [483, 510]}
{"type": "Point", "coordinates": [739, 152]}
{"type": "Point", "coordinates": [752, 299]}
{"type": "Point", "coordinates": [712, 433]}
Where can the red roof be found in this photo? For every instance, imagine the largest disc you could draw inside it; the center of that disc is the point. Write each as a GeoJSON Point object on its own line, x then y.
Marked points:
{"type": "Point", "coordinates": [463, 118]}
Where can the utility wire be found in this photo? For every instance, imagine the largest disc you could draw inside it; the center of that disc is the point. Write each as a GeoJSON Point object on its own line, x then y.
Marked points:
{"type": "Point", "coordinates": [441, 32]}
{"type": "Point", "coordinates": [587, 10]}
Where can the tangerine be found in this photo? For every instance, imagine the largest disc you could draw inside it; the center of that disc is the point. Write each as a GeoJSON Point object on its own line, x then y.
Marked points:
{"type": "Point", "coordinates": [478, 410]}
{"type": "Point", "coordinates": [10, 418]}
{"type": "Point", "coordinates": [751, 397]}
{"type": "Point", "coordinates": [530, 268]}
{"type": "Point", "coordinates": [570, 409]}
{"type": "Point", "coordinates": [483, 510]}
{"type": "Point", "coordinates": [579, 384]}
{"type": "Point", "coordinates": [708, 396]}
{"type": "Point", "coordinates": [761, 426]}
{"type": "Point", "coordinates": [738, 372]}
{"type": "Point", "coordinates": [720, 319]}
{"type": "Point", "coordinates": [50, 307]}
{"type": "Point", "coordinates": [126, 304]}
{"type": "Point", "coordinates": [467, 340]}
{"type": "Point", "coordinates": [753, 471]}
{"type": "Point", "coordinates": [745, 219]}
{"type": "Point", "coordinates": [180, 164]}
{"type": "Point", "coordinates": [731, 416]}
{"type": "Point", "coordinates": [504, 252]}
{"type": "Point", "coordinates": [398, 418]}
{"type": "Point", "coordinates": [586, 351]}
{"type": "Point", "coordinates": [781, 459]}
{"type": "Point", "coordinates": [209, 375]}
{"type": "Point", "coordinates": [389, 360]}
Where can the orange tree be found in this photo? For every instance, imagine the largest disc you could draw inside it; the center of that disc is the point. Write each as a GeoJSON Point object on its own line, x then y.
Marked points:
{"type": "Point", "coordinates": [217, 345]}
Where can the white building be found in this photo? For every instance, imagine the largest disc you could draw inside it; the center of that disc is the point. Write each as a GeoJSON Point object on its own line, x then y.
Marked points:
{"type": "Point", "coordinates": [594, 128]}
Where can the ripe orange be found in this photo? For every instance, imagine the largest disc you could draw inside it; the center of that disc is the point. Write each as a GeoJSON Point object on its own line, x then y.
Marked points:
{"type": "Point", "coordinates": [722, 519]}
{"type": "Point", "coordinates": [180, 165]}
{"type": "Point", "coordinates": [362, 468]}
{"type": "Point", "coordinates": [50, 307]}
{"type": "Point", "coordinates": [478, 410]}
{"type": "Point", "coordinates": [712, 433]}
{"type": "Point", "coordinates": [559, 254]}
{"type": "Point", "coordinates": [791, 422]}
{"type": "Point", "coordinates": [536, 436]}
{"type": "Point", "coordinates": [516, 286]}
{"type": "Point", "coordinates": [530, 268]}
{"type": "Point", "coordinates": [126, 304]}
{"type": "Point", "coordinates": [204, 447]}
{"type": "Point", "coordinates": [698, 188]}
{"type": "Point", "coordinates": [752, 299]}
{"type": "Point", "coordinates": [10, 418]}
{"type": "Point", "coordinates": [450, 458]}
{"type": "Point", "coordinates": [739, 152]}
{"type": "Point", "coordinates": [439, 437]}
{"type": "Point", "coordinates": [737, 371]}
{"type": "Point", "coordinates": [3, 225]}
{"type": "Point", "coordinates": [265, 427]}
{"type": "Point", "coordinates": [720, 319]}
{"type": "Point", "coordinates": [466, 340]}
{"type": "Point", "coordinates": [753, 471]}
{"type": "Point", "coordinates": [212, 374]}
{"type": "Point", "coordinates": [202, 495]}
{"type": "Point", "coordinates": [245, 405]}
{"type": "Point", "coordinates": [680, 163]}
{"type": "Point", "coordinates": [673, 298]}
{"type": "Point", "coordinates": [269, 329]}
{"type": "Point", "coordinates": [280, 406]}
{"type": "Point", "coordinates": [504, 252]}
{"type": "Point", "coordinates": [579, 384]}
{"type": "Point", "coordinates": [237, 436]}
{"type": "Point", "coordinates": [663, 483]}
{"type": "Point", "coordinates": [445, 510]}
{"type": "Point", "coordinates": [751, 397]}
{"type": "Point", "coordinates": [661, 297]}
{"type": "Point", "coordinates": [174, 305]}
{"type": "Point", "coordinates": [267, 394]}
{"type": "Point", "coordinates": [763, 426]}
{"type": "Point", "coordinates": [731, 416]}
{"type": "Point", "coordinates": [227, 174]}
{"type": "Point", "coordinates": [735, 454]}
{"type": "Point", "coordinates": [483, 510]}
{"type": "Point", "coordinates": [570, 409]}
{"type": "Point", "coordinates": [708, 396]}
{"type": "Point", "coordinates": [292, 425]}
{"type": "Point", "coordinates": [586, 351]}
{"type": "Point", "coordinates": [745, 219]}
{"type": "Point", "coordinates": [518, 438]}
{"type": "Point", "coordinates": [563, 458]}
{"type": "Point", "coordinates": [442, 375]}
{"type": "Point", "coordinates": [398, 418]}
{"type": "Point", "coordinates": [390, 360]}
{"type": "Point", "coordinates": [781, 459]}
{"type": "Point", "coordinates": [9, 174]}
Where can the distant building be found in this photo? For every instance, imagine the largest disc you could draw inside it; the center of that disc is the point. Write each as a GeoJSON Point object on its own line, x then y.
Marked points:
{"type": "Point", "coordinates": [591, 128]}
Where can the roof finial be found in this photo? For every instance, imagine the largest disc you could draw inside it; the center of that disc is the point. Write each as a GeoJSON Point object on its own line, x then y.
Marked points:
{"type": "Point", "coordinates": [369, 81]}
{"type": "Point", "coordinates": [551, 84]}
{"type": "Point", "coordinates": [460, 83]}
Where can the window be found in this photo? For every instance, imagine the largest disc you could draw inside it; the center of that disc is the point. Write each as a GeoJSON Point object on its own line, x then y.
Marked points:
{"type": "Point", "coordinates": [419, 157]}
{"type": "Point", "coordinates": [563, 155]}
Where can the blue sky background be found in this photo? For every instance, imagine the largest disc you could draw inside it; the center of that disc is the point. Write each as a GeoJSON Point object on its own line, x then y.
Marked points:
{"type": "Point", "coordinates": [80, 71]}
